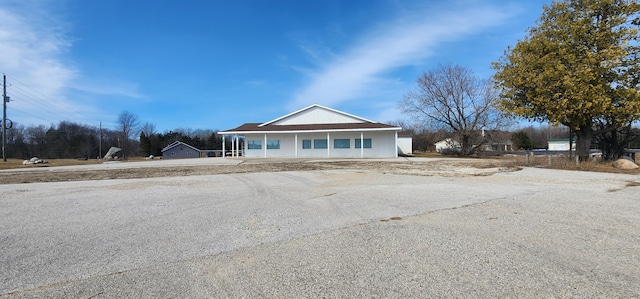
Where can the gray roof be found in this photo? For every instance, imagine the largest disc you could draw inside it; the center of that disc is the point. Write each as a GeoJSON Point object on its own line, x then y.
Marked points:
{"type": "Point", "coordinates": [176, 143]}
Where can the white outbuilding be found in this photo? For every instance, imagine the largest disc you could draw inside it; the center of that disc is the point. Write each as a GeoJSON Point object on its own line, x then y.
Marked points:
{"type": "Point", "coordinates": [315, 132]}
{"type": "Point", "coordinates": [561, 144]}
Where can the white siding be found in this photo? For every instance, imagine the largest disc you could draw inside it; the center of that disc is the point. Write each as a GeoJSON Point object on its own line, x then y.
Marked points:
{"type": "Point", "coordinates": [317, 115]}
{"type": "Point", "coordinates": [560, 145]}
{"type": "Point", "coordinates": [382, 145]}
{"type": "Point", "coordinates": [405, 145]}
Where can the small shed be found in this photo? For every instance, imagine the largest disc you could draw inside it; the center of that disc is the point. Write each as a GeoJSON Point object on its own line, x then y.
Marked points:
{"type": "Point", "coordinates": [178, 150]}
{"type": "Point", "coordinates": [405, 144]}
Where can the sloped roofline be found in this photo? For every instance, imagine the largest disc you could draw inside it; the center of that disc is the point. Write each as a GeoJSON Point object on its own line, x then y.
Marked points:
{"type": "Point", "coordinates": [319, 106]}
{"type": "Point", "coordinates": [176, 143]}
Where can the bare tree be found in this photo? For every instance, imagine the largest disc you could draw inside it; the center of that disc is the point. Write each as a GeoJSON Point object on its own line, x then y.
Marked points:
{"type": "Point", "coordinates": [450, 97]}
{"type": "Point", "coordinates": [37, 139]}
{"type": "Point", "coordinates": [128, 126]}
{"type": "Point", "coordinates": [148, 128]}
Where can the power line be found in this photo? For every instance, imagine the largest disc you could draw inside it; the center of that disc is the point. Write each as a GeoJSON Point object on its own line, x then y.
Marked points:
{"type": "Point", "coordinates": [30, 95]}
{"type": "Point", "coordinates": [20, 111]}
{"type": "Point", "coordinates": [26, 98]}
{"type": "Point", "coordinates": [35, 95]}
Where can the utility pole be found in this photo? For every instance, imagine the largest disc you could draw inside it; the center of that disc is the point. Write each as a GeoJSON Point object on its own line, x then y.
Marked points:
{"type": "Point", "coordinates": [5, 99]}
{"type": "Point", "coordinates": [100, 142]}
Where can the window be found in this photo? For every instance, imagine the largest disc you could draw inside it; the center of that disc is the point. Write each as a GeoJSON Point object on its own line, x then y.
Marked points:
{"type": "Point", "coordinates": [341, 143]}
{"type": "Point", "coordinates": [366, 141]}
{"type": "Point", "coordinates": [273, 144]}
{"type": "Point", "coordinates": [254, 144]}
{"type": "Point", "coordinates": [306, 143]}
{"type": "Point", "coordinates": [319, 143]}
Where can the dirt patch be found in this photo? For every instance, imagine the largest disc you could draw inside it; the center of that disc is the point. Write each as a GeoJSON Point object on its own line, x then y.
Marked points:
{"type": "Point", "coordinates": [431, 168]}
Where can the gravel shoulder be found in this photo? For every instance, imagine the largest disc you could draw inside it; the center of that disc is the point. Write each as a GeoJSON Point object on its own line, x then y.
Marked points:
{"type": "Point", "coordinates": [376, 229]}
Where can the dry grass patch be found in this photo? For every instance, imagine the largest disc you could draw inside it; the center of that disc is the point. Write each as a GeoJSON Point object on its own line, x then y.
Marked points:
{"type": "Point", "coordinates": [17, 163]}
{"type": "Point", "coordinates": [558, 162]}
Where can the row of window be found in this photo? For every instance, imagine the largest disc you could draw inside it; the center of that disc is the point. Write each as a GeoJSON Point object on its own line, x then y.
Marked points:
{"type": "Point", "coordinates": [317, 143]}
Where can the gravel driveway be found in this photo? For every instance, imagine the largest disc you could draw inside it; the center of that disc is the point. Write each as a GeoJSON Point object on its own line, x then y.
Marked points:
{"type": "Point", "coordinates": [324, 233]}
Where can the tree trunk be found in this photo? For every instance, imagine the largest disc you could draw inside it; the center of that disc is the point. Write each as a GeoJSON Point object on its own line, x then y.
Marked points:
{"type": "Point", "coordinates": [583, 143]}
{"type": "Point", "coordinates": [464, 151]}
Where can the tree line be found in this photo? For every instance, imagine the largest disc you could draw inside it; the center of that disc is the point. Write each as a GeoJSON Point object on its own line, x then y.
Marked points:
{"type": "Point", "coordinates": [68, 139]}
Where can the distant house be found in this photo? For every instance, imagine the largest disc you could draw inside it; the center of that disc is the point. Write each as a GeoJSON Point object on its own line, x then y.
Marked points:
{"type": "Point", "coordinates": [447, 144]}
{"type": "Point", "coordinates": [178, 150]}
{"type": "Point", "coordinates": [316, 131]}
{"type": "Point", "coordinates": [497, 140]}
{"type": "Point", "coordinates": [560, 144]}
{"type": "Point", "coordinates": [491, 140]}
{"type": "Point", "coordinates": [498, 146]}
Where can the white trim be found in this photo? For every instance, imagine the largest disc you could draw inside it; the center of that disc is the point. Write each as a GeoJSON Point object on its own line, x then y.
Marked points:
{"type": "Point", "coordinates": [396, 144]}
{"type": "Point", "coordinates": [265, 145]}
{"type": "Point", "coordinates": [319, 106]}
{"type": "Point", "coordinates": [295, 145]}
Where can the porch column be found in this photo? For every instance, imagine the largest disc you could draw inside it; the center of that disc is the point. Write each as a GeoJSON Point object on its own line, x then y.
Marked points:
{"type": "Point", "coordinates": [328, 145]}
{"type": "Point", "coordinates": [265, 145]}
{"type": "Point", "coordinates": [295, 144]}
{"type": "Point", "coordinates": [237, 146]}
{"type": "Point", "coordinates": [361, 145]}
{"type": "Point", "coordinates": [224, 138]}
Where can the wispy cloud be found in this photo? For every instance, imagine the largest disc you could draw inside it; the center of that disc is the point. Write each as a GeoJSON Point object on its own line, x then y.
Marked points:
{"type": "Point", "coordinates": [32, 47]}
{"type": "Point", "coordinates": [361, 68]}
{"type": "Point", "coordinates": [35, 57]}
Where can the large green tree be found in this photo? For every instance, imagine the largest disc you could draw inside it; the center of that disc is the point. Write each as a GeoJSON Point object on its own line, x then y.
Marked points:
{"type": "Point", "coordinates": [578, 65]}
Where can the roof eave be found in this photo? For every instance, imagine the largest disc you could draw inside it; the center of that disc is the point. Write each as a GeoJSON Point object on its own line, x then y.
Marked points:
{"type": "Point", "coordinates": [311, 131]}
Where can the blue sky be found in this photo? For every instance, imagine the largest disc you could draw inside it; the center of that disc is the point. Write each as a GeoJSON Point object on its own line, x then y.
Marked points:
{"type": "Point", "coordinates": [218, 64]}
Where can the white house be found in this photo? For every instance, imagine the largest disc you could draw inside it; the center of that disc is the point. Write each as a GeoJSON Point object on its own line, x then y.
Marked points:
{"type": "Point", "coordinates": [446, 144]}
{"type": "Point", "coordinates": [316, 132]}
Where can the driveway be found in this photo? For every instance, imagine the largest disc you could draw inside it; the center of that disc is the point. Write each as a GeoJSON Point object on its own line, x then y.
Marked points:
{"type": "Point", "coordinates": [329, 233]}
